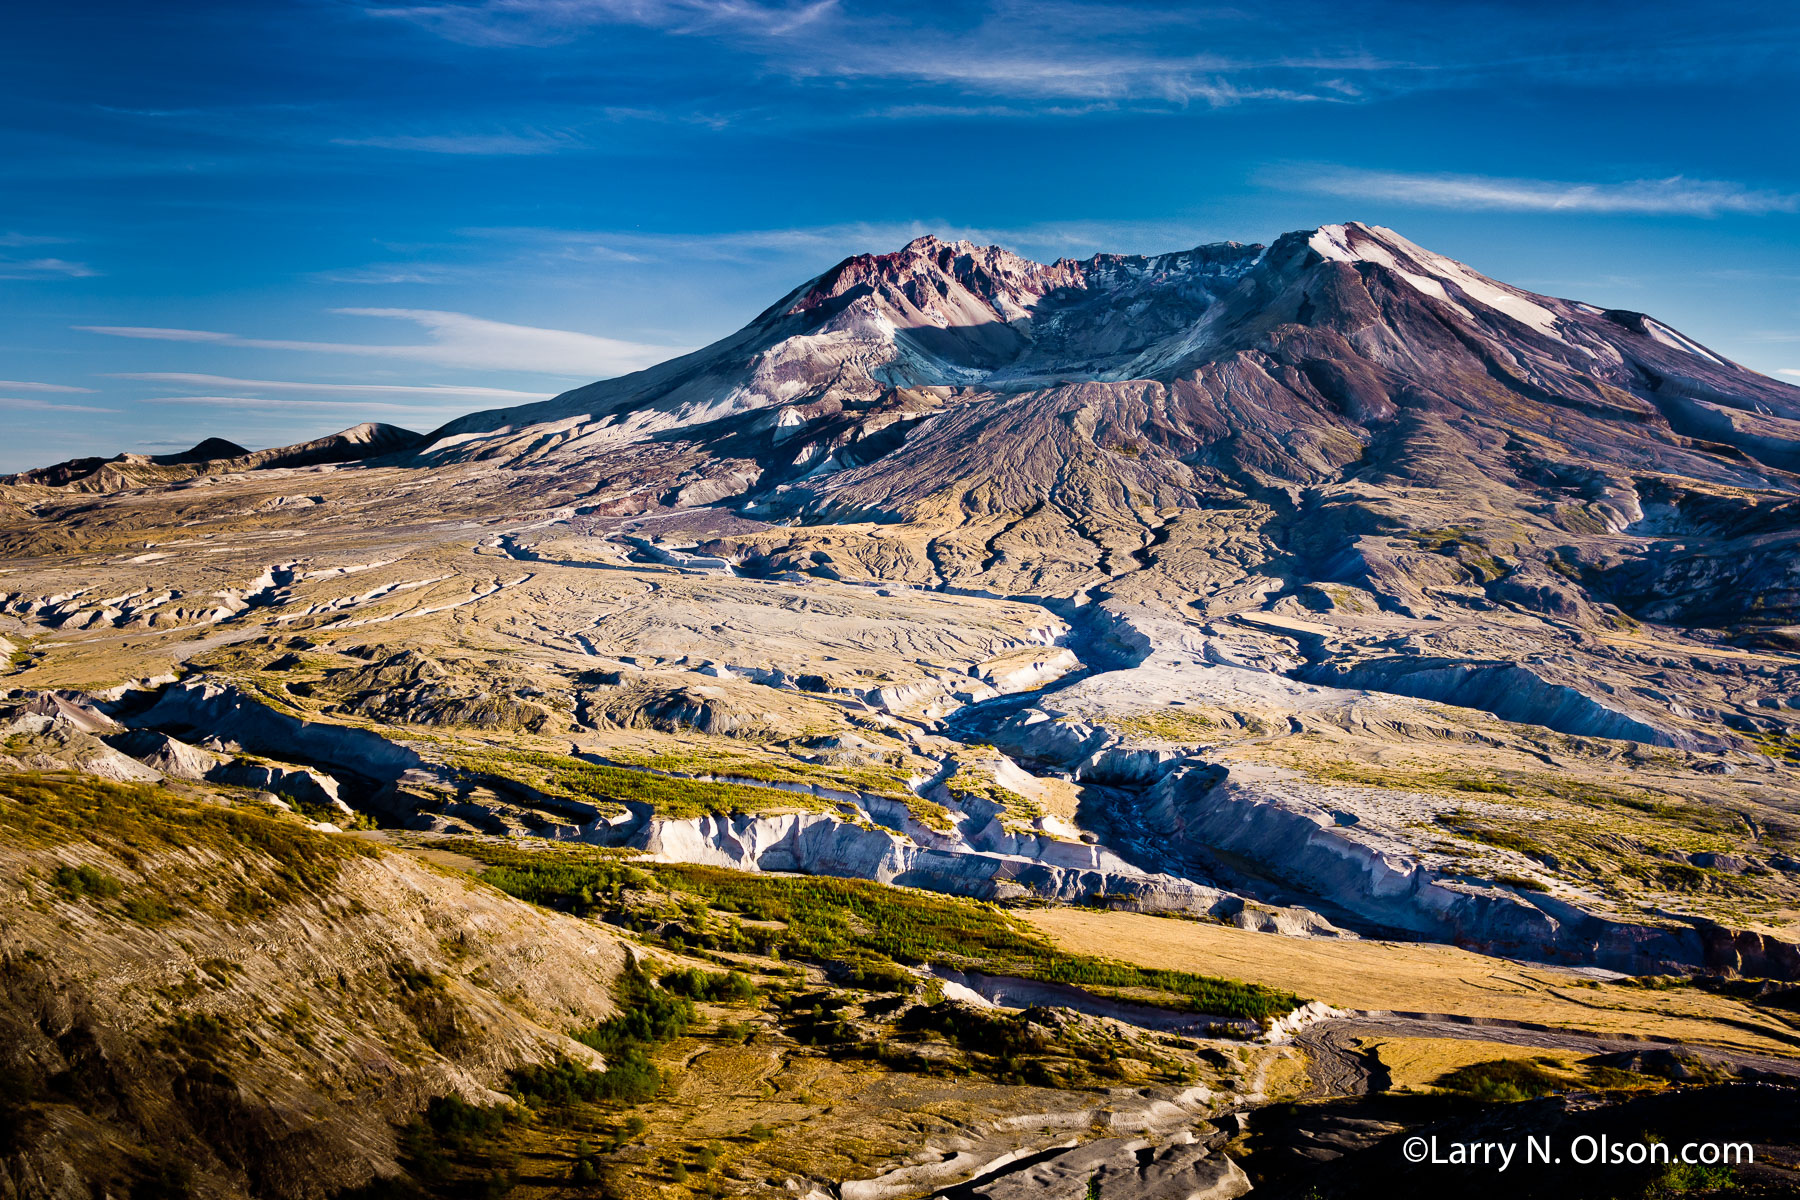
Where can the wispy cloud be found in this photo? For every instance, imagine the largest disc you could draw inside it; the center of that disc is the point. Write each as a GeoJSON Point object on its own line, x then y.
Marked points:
{"type": "Point", "coordinates": [445, 391]}
{"type": "Point", "coordinates": [1794, 371]}
{"type": "Point", "coordinates": [1674, 196]}
{"type": "Point", "coordinates": [1080, 76]}
{"type": "Point", "coordinates": [1112, 53]}
{"type": "Point", "coordinates": [20, 385]}
{"type": "Point", "coordinates": [33, 404]}
{"type": "Point", "coordinates": [278, 404]}
{"type": "Point", "coordinates": [942, 58]}
{"type": "Point", "coordinates": [1046, 240]}
{"type": "Point", "coordinates": [43, 268]}
{"type": "Point", "coordinates": [458, 340]}
{"type": "Point", "coordinates": [489, 144]}
{"type": "Point", "coordinates": [552, 22]}
{"type": "Point", "coordinates": [381, 274]}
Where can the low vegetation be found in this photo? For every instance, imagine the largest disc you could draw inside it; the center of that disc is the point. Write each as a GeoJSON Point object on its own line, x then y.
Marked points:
{"type": "Point", "coordinates": [1464, 825]}
{"type": "Point", "coordinates": [581, 883]}
{"type": "Point", "coordinates": [611, 787]}
{"type": "Point", "coordinates": [1505, 1079]}
{"type": "Point", "coordinates": [136, 822]}
{"type": "Point", "coordinates": [881, 779]}
{"type": "Point", "coordinates": [972, 782]}
{"type": "Point", "coordinates": [1169, 725]}
{"type": "Point", "coordinates": [871, 931]}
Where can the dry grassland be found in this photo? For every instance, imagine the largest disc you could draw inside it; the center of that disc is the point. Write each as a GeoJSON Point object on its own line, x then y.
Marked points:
{"type": "Point", "coordinates": [1415, 977]}
{"type": "Point", "coordinates": [1418, 1063]}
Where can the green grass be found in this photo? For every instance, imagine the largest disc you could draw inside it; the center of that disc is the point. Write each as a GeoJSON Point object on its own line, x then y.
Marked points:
{"type": "Point", "coordinates": [1457, 542]}
{"type": "Point", "coordinates": [1169, 726]}
{"type": "Point", "coordinates": [578, 779]}
{"type": "Point", "coordinates": [869, 927]}
{"type": "Point", "coordinates": [857, 922]}
{"type": "Point", "coordinates": [1359, 775]}
{"type": "Point", "coordinates": [134, 821]}
{"type": "Point", "coordinates": [1503, 1080]}
{"type": "Point", "coordinates": [1463, 825]}
{"type": "Point", "coordinates": [16, 659]}
{"type": "Point", "coordinates": [972, 782]}
{"type": "Point", "coordinates": [889, 782]}
{"type": "Point", "coordinates": [882, 780]}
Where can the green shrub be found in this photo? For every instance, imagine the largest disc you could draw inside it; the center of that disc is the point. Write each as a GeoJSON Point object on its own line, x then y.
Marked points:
{"type": "Point", "coordinates": [451, 1130]}
{"type": "Point", "coordinates": [1504, 839]}
{"type": "Point", "coordinates": [869, 928]}
{"type": "Point", "coordinates": [150, 910]}
{"type": "Point", "coordinates": [580, 885]}
{"type": "Point", "coordinates": [85, 883]}
{"type": "Point", "coordinates": [873, 927]}
{"type": "Point", "coordinates": [579, 779]}
{"type": "Point", "coordinates": [1502, 1080]}
{"type": "Point", "coordinates": [630, 1078]}
{"type": "Point", "coordinates": [730, 987]}
{"type": "Point", "coordinates": [651, 1016]}
{"type": "Point", "coordinates": [1682, 1179]}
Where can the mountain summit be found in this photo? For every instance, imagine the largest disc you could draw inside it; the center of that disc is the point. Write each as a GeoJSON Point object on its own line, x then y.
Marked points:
{"type": "Point", "coordinates": [1286, 363]}
{"type": "Point", "coordinates": [1353, 381]}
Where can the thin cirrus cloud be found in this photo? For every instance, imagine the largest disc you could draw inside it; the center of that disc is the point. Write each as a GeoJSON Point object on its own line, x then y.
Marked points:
{"type": "Point", "coordinates": [445, 391]}
{"type": "Point", "coordinates": [1070, 51]}
{"type": "Point", "coordinates": [38, 404]}
{"type": "Point", "coordinates": [13, 266]}
{"type": "Point", "coordinates": [821, 244]}
{"type": "Point", "coordinates": [290, 404]}
{"type": "Point", "coordinates": [43, 268]}
{"type": "Point", "coordinates": [1674, 196]}
{"type": "Point", "coordinates": [1125, 54]}
{"type": "Point", "coordinates": [490, 144]}
{"type": "Point", "coordinates": [21, 385]}
{"type": "Point", "coordinates": [457, 340]}
{"type": "Point", "coordinates": [551, 22]}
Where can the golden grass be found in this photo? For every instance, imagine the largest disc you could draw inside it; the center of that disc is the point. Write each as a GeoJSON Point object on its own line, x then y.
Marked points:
{"type": "Point", "coordinates": [1418, 1063]}
{"type": "Point", "coordinates": [1416, 977]}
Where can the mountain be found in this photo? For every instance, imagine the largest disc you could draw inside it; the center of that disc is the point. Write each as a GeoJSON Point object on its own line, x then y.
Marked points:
{"type": "Point", "coordinates": [206, 450]}
{"type": "Point", "coordinates": [1331, 376]}
{"type": "Point", "coordinates": [215, 455]}
{"type": "Point", "coordinates": [1349, 335]}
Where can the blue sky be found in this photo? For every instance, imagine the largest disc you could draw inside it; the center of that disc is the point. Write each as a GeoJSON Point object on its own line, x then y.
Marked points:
{"type": "Point", "coordinates": [268, 221]}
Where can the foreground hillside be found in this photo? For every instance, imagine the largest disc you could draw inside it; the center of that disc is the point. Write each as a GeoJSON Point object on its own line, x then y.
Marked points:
{"type": "Point", "coordinates": [213, 995]}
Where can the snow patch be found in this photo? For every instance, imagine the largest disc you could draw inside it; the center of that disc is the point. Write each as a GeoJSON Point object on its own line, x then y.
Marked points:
{"type": "Point", "coordinates": [1383, 247]}
{"type": "Point", "coordinates": [1675, 341]}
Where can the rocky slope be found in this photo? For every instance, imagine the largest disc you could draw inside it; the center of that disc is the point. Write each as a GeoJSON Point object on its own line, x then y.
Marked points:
{"type": "Point", "coordinates": [209, 998]}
